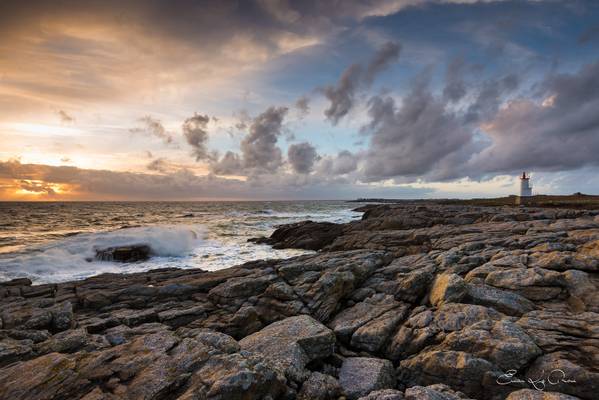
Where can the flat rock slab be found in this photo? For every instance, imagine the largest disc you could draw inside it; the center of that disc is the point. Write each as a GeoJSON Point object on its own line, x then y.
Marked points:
{"type": "Point", "coordinates": [531, 394]}
{"type": "Point", "coordinates": [384, 394]}
{"type": "Point", "coordinates": [291, 344]}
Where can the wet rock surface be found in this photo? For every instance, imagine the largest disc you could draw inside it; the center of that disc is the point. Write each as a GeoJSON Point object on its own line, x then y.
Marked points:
{"type": "Point", "coordinates": [414, 301]}
{"type": "Point", "coordinates": [124, 254]}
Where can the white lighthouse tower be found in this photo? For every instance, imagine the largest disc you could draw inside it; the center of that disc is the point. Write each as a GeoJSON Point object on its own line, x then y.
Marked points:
{"type": "Point", "coordinates": [525, 188]}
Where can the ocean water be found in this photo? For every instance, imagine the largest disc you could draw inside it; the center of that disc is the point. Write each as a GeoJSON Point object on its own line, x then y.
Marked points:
{"type": "Point", "coordinates": [51, 242]}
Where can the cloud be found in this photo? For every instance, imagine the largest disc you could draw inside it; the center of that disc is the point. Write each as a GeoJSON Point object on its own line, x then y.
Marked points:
{"type": "Point", "coordinates": [387, 54]}
{"type": "Point", "coordinates": [259, 148]}
{"type": "Point", "coordinates": [194, 130]}
{"type": "Point", "coordinates": [497, 133]}
{"type": "Point", "coordinates": [37, 187]}
{"type": "Point", "coordinates": [413, 138]}
{"type": "Point", "coordinates": [84, 53]}
{"type": "Point", "coordinates": [342, 95]}
{"type": "Point", "coordinates": [302, 157]}
{"type": "Point", "coordinates": [589, 34]}
{"type": "Point", "coordinates": [302, 105]}
{"type": "Point", "coordinates": [259, 151]}
{"type": "Point", "coordinates": [229, 164]}
{"type": "Point", "coordinates": [181, 184]}
{"type": "Point", "coordinates": [343, 163]}
{"type": "Point", "coordinates": [152, 127]}
{"type": "Point", "coordinates": [89, 183]}
{"type": "Point", "coordinates": [455, 87]}
{"type": "Point", "coordinates": [490, 97]}
{"type": "Point", "coordinates": [65, 118]}
{"type": "Point", "coordinates": [159, 164]}
{"type": "Point", "coordinates": [558, 131]}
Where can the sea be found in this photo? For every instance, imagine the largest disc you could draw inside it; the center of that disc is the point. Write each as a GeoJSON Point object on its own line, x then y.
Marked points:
{"type": "Point", "coordinates": [51, 242]}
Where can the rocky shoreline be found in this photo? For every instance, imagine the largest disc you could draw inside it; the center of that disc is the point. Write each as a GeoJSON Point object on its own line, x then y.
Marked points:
{"type": "Point", "coordinates": [412, 302]}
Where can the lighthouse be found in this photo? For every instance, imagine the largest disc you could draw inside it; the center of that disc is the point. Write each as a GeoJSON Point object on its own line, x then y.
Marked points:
{"type": "Point", "coordinates": [525, 188]}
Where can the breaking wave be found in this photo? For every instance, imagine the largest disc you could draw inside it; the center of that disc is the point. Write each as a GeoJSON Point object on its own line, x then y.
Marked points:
{"type": "Point", "coordinates": [69, 258]}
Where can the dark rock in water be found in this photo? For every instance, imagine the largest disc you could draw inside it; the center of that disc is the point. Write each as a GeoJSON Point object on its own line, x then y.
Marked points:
{"type": "Point", "coordinates": [17, 282]}
{"type": "Point", "coordinates": [124, 254]}
{"type": "Point", "coordinates": [306, 235]}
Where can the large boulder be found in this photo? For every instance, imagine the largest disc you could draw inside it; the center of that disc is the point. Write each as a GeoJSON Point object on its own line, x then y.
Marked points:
{"type": "Point", "coordinates": [291, 344]}
{"type": "Point", "coordinates": [319, 387]}
{"type": "Point", "coordinates": [447, 288]}
{"type": "Point", "coordinates": [361, 375]}
{"type": "Point", "coordinates": [384, 394]}
{"type": "Point", "coordinates": [460, 370]}
{"type": "Point", "coordinates": [501, 300]}
{"type": "Point", "coordinates": [555, 372]}
{"type": "Point", "coordinates": [502, 342]}
{"type": "Point", "coordinates": [349, 320]}
{"type": "Point", "coordinates": [425, 327]}
{"type": "Point", "coordinates": [306, 235]}
{"type": "Point", "coordinates": [434, 392]}
{"type": "Point", "coordinates": [532, 394]}
{"type": "Point", "coordinates": [532, 283]}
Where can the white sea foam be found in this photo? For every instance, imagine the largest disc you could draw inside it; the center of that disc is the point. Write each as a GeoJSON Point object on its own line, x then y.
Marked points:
{"type": "Point", "coordinates": [69, 258]}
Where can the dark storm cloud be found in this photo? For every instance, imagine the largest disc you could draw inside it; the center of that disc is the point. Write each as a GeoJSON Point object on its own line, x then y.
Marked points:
{"type": "Point", "coordinates": [200, 24]}
{"type": "Point", "coordinates": [455, 87]}
{"type": "Point", "coordinates": [159, 165]}
{"type": "Point", "coordinates": [182, 19]}
{"type": "Point", "coordinates": [229, 164]}
{"type": "Point", "coordinates": [343, 163]}
{"type": "Point", "coordinates": [490, 96]}
{"type": "Point", "coordinates": [101, 51]}
{"type": "Point", "coordinates": [387, 54]}
{"type": "Point", "coordinates": [152, 127]}
{"type": "Point", "coordinates": [411, 139]}
{"type": "Point", "coordinates": [259, 148]}
{"type": "Point", "coordinates": [589, 35]}
{"type": "Point", "coordinates": [181, 184]}
{"type": "Point", "coordinates": [558, 131]}
{"type": "Point", "coordinates": [302, 157]}
{"type": "Point", "coordinates": [302, 105]}
{"type": "Point", "coordinates": [196, 135]}
{"type": "Point", "coordinates": [342, 95]}
{"type": "Point", "coordinates": [37, 187]}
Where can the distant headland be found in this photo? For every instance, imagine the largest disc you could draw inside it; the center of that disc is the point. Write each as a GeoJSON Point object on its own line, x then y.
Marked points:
{"type": "Point", "coordinates": [576, 200]}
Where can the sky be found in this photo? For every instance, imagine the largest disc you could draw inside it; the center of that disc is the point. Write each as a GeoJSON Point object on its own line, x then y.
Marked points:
{"type": "Point", "coordinates": [283, 99]}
